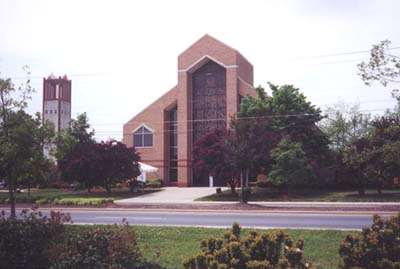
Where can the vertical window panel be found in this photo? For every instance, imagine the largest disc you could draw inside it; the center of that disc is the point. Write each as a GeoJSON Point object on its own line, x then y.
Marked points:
{"type": "Point", "coordinates": [148, 140]}
{"type": "Point", "coordinates": [137, 140]}
{"type": "Point", "coordinates": [173, 146]}
{"type": "Point", "coordinates": [143, 137]}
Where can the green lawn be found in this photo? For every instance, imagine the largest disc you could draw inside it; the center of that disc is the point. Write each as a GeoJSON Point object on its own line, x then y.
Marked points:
{"type": "Point", "coordinates": [177, 243]}
{"type": "Point", "coordinates": [272, 194]}
{"type": "Point", "coordinates": [69, 197]}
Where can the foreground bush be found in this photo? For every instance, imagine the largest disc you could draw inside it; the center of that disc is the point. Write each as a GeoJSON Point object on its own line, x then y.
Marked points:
{"type": "Point", "coordinates": [270, 250]}
{"type": "Point", "coordinates": [101, 247]}
{"type": "Point", "coordinates": [377, 247]}
{"type": "Point", "coordinates": [25, 242]}
{"type": "Point", "coordinates": [36, 241]}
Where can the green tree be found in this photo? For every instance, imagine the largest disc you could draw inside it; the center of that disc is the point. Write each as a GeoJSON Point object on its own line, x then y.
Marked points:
{"type": "Point", "coordinates": [249, 145]}
{"type": "Point", "coordinates": [298, 118]}
{"type": "Point", "coordinates": [382, 66]}
{"type": "Point", "coordinates": [290, 164]}
{"type": "Point", "coordinates": [287, 112]}
{"type": "Point", "coordinates": [344, 124]}
{"type": "Point", "coordinates": [357, 157]}
{"type": "Point", "coordinates": [385, 139]}
{"type": "Point", "coordinates": [255, 106]}
{"type": "Point", "coordinates": [251, 139]}
{"type": "Point", "coordinates": [77, 133]}
{"type": "Point", "coordinates": [37, 167]}
{"type": "Point", "coordinates": [263, 120]}
{"type": "Point", "coordinates": [20, 136]}
{"type": "Point", "coordinates": [76, 151]}
{"type": "Point", "coordinates": [239, 152]}
{"type": "Point", "coordinates": [375, 156]}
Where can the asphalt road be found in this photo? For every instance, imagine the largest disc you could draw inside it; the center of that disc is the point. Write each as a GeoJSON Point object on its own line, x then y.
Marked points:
{"type": "Point", "coordinates": [352, 221]}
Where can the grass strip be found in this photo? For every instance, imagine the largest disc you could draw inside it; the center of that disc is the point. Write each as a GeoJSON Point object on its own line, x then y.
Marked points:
{"type": "Point", "coordinates": [307, 195]}
{"type": "Point", "coordinates": [170, 245]}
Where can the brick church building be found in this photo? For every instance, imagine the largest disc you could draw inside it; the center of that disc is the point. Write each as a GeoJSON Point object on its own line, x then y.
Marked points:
{"type": "Point", "coordinates": [212, 79]}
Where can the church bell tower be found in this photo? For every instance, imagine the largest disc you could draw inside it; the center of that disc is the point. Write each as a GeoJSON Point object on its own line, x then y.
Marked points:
{"type": "Point", "coordinates": [56, 104]}
{"type": "Point", "coordinates": [57, 101]}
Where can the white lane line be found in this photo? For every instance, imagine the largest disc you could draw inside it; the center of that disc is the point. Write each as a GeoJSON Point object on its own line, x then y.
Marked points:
{"type": "Point", "coordinates": [247, 213]}
{"type": "Point", "coordinates": [132, 218]}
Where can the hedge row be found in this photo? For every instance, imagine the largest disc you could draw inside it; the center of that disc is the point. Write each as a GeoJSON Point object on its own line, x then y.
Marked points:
{"type": "Point", "coordinates": [60, 201]}
{"type": "Point", "coordinates": [37, 241]}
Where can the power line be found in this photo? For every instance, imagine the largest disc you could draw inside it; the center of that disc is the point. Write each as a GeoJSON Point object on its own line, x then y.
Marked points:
{"type": "Point", "coordinates": [391, 55]}
{"type": "Point", "coordinates": [341, 54]}
{"type": "Point", "coordinates": [328, 63]}
{"type": "Point", "coordinates": [297, 58]}
{"type": "Point", "coordinates": [245, 118]}
{"type": "Point", "coordinates": [241, 118]}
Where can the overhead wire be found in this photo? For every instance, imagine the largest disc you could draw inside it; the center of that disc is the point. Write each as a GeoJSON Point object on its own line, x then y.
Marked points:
{"type": "Point", "coordinates": [341, 54]}
{"type": "Point", "coordinates": [297, 58]}
{"type": "Point", "coordinates": [268, 116]}
{"type": "Point", "coordinates": [290, 115]}
{"type": "Point", "coordinates": [225, 120]}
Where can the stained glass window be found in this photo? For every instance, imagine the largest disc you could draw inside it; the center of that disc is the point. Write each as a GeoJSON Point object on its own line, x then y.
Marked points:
{"type": "Point", "coordinates": [209, 99]}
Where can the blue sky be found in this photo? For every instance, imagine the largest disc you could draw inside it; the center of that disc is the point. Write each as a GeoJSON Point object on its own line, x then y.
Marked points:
{"type": "Point", "coordinates": [122, 55]}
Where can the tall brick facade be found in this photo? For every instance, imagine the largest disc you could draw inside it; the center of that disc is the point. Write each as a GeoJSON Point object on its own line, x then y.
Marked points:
{"type": "Point", "coordinates": [211, 79]}
{"type": "Point", "coordinates": [56, 105]}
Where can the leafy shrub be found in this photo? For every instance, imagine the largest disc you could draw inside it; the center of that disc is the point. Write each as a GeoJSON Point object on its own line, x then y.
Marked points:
{"type": "Point", "coordinates": [37, 241]}
{"type": "Point", "coordinates": [377, 247]}
{"type": "Point", "coordinates": [101, 247]}
{"type": "Point", "coordinates": [74, 201]}
{"type": "Point", "coordinates": [154, 183]}
{"type": "Point", "coordinates": [24, 242]}
{"type": "Point", "coordinates": [4, 200]}
{"type": "Point", "coordinates": [271, 250]}
{"type": "Point", "coordinates": [262, 183]}
{"type": "Point", "coordinates": [56, 184]}
{"type": "Point", "coordinates": [43, 201]}
{"type": "Point", "coordinates": [82, 201]}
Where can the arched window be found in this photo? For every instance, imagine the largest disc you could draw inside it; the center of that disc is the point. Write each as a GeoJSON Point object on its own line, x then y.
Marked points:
{"type": "Point", "coordinates": [142, 137]}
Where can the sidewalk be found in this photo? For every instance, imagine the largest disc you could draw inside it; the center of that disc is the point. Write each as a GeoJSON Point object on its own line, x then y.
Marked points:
{"type": "Point", "coordinates": [170, 195]}
{"type": "Point", "coordinates": [174, 198]}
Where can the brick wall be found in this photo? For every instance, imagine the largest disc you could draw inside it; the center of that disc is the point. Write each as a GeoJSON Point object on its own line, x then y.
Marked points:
{"type": "Point", "coordinates": [239, 80]}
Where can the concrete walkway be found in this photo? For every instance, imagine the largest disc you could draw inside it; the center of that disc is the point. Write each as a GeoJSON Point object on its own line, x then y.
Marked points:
{"type": "Point", "coordinates": [173, 198]}
{"type": "Point", "coordinates": [169, 195]}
